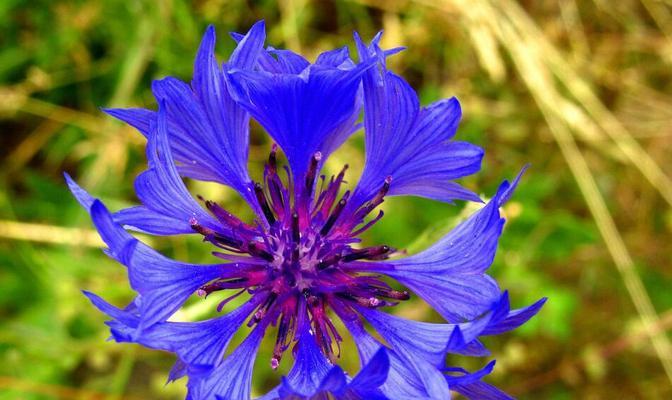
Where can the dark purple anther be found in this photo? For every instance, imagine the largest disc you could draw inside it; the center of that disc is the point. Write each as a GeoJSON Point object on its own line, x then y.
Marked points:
{"type": "Point", "coordinates": [370, 253]}
{"type": "Point", "coordinates": [272, 159]}
{"type": "Point", "coordinates": [255, 249]}
{"type": "Point", "coordinates": [263, 309]}
{"type": "Point", "coordinates": [281, 341]}
{"type": "Point", "coordinates": [335, 214]}
{"type": "Point", "coordinates": [312, 172]}
{"type": "Point", "coordinates": [263, 203]}
{"type": "Point", "coordinates": [226, 217]}
{"type": "Point", "coordinates": [218, 285]}
{"type": "Point", "coordinates": [369, 224]}
{"type": "Point", "coordinates": [329, 261]}
{"type": "Point", "coordinates": [296, 233]}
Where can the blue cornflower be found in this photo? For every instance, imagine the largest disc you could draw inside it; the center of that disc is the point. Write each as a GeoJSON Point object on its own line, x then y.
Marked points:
{"type": "Point", "coordinates": [299, 263]}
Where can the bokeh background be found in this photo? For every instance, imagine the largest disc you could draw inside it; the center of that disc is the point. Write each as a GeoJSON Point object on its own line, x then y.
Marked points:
{"type": "Point", "coordinates": [582, 90]}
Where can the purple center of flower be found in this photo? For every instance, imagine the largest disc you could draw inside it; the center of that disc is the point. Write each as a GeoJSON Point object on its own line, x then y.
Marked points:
{"type": "Point", "coordinates": [299, 262]}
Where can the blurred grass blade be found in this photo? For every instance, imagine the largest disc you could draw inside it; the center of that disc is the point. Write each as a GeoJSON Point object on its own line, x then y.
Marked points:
{"type": "Point", "coordinates": [527, 31]}
{"type": "Point", "coordinates": [529, 59]}
{"type": "Point", "coordinates": [49, 234]}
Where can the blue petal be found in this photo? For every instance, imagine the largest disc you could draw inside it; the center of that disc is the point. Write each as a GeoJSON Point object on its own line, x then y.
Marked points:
{"type": "Point", "coordinates": [422, 340]}
{"type": "Point", "coordinates": [229, 132]}
{"type": "Point", "coordinates": [82, 196]}
{"type": "Point", "coordinates": [373, 375]}
{"type": "Point", "coordinates": [208, 131]}
{"type": "Point", "coordinates": [288, 62]}
{"type": "Point", "coordinates": [470, 386]}
{"type": "Point", "coordinates": [466, 377]}
{"type": "Point", "coordinates": [335, 58]}
{"type": "Point", "coordinates": [407, 378]}
{"type": "Point", "coordinates": [135, 218]}
{"type": "Point", "coordinates": [139, 118]}
{"type": "Point", "coordinates": [142, 219]}
{"type": "Point", "coordinates": [334, 383]}
{"type": "Point", "coordinates": [306, 113]}
{"type": "Point", "coordinates": [312, 375]}
{"type": "Point", "coordinates": [191, 157]}
{"type": "Point", "coordinates": [249, 48]}
{"type": "Point", "coordinates": [277, 61]}
{"type": "Point", "coordinates": [164, 284]}
{"type": "Point", "coordinates": [481, 391]}
{"type": "Point", "coordinates": [232, 379]}
{"type": "Point", "coordinates": [450, 275]}
{"type": "Point", "coordinates": [178, 370]}
{"type": "Point", "coordinates": [510, 320]}
{"type": "Point", "coordinates": [199, 345]}
{"type": "Point", "coordinates": [310, 368]}
{"type": "Point", "coordinates": [457, 344]}
{"type": "Point", "coordinates": [122, 316]}
{"type": "Point", "coordinates": [162, 191]}
{"type": "Point", "coordinates": [410, 144]}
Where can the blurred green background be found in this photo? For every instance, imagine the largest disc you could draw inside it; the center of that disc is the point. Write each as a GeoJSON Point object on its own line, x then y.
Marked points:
{"type": "Point", "coordinates": [582, 90]}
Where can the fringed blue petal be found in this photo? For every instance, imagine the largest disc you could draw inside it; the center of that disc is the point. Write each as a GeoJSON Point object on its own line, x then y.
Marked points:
{"type": "Point", "coordinates": [82, 196]}
{"type": "Point", "coordinates": [126, 318]}
{"type": "Point", "coordinates": [164, 284]}
{"type": "Point", "coordinates": [424, 340]}
{"type": "Point", "coordinates": [409, 144]}
{"type": "Point", "coordinates": [250, 46]}
{"type": "Point", "coordinates": [304, 113]}
{"type": "Point", "coordinates": [470, 386]}
{"type": "Point", "coordinates": [450, 275]}
{"type": "Point", "coordinates": [143, 219]}
{"type": "Point", "coordinates": [226, 132]}
{"type": "Point", "coordinates": [139, 118]}
{"type": "Point", "coordinates": [366, 384]}
{"type": "Point", "coordinates": [408, 378]}
{"type": "Point", "coordinates": [508, 320]}
{"type": "Point", "coordinates": [313, 375]}
{"type": "Point", "coordinates": [162, 191]}
{"type": "Point", "coordinates": [232, 379]}
{"type": "Point", "coordinates": [199, 346]}
{"type": "Point", "coordinates": [208, 131]}
{"type": "Point", "coordinates": [287, 61]}
{"type": "Point", "coordinates": [310, 367]}
{"type": "Point", "coordinates": [138, 218]}
{"type": "Point", "coordinates": [337, 58]}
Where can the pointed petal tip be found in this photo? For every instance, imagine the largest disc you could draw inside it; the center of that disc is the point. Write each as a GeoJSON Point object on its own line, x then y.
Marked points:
{"type": "Point", "coordinates": [507, 188]}
{"type": "Point", "coordinates": [98, 208]}
{"type": "Point", "coordinates": [381, 355]}
{"type": "Point", "coordinates": [82, 196]}
{"type": "Point", "coordinates": [394, 50]}
{"type": "Point", "coordinates": [504, 298]}
{"type": "Point", "coordinates": [261, 24]}
{"type": "Point", "coordinates": [456, 339]}
{"type": "Point", "coordinates": [89, 295]}
{"type": "Point", "coordinates": [455, 102]}
{"type": "Point", "coordinates": [207, 45]}
{"type": "Point", "coordinates": [378, 36]}
{"type": "Point", "coordinates": [537, 305]}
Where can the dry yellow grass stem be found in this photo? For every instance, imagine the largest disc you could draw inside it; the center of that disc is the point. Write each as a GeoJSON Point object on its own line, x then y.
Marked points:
{"type": "Point", "coordinates": [531, 60]}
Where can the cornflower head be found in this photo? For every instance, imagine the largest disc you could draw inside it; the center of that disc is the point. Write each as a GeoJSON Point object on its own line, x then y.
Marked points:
{"type": "Point", "coordinates": [300, 264]}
